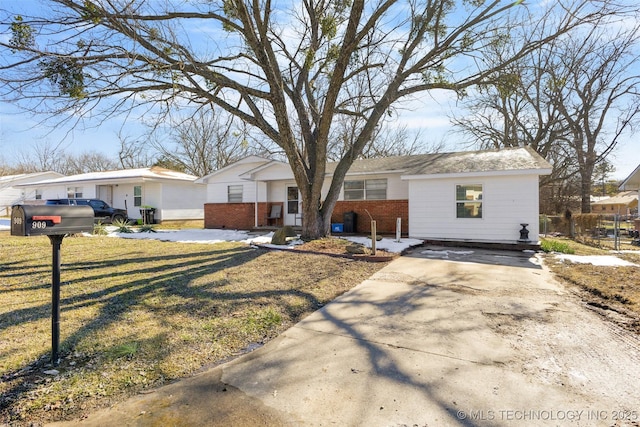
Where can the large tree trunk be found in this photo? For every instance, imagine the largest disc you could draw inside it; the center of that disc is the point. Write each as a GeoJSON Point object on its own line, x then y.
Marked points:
{"type": "Point", "coordinates": [586, 175]}
{"type": "Point", "coordinates": [314, 224]}
{"type": "Point", "coordinates": [316, 213]}
{"type": "Point", "coordinates": [585, 193]}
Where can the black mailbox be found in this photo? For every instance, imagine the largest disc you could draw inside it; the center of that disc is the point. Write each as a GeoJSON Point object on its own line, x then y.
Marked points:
{"type": "Point", "coordinates": [50, 220]}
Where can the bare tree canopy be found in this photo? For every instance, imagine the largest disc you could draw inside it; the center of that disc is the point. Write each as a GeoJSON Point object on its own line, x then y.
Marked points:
{"type": "Point", "coordinates": [289, 69]}
{"type": "Point", "coordinates": [46, 156]}
{"type": "Point", "coordinates": [571, 101]}
{"type": "Point", "coordinates": [202, 142]}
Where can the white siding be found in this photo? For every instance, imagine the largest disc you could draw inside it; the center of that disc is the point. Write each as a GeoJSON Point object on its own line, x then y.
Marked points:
{"type": "Point", "coordinates": [272, 181]}
{"type": "Point", "coordinates": [217, 184]}
{"type": "Point", "coordinates": [181, 202]}
{"type": "Point", "coordinates": [274, 172]}
{"type": "Point", "coordinates": [60, 191]}
{"type": "Point", "coordinates": [276, 191]}
{"type": "Point", "coordinates": [11, 194]}
{"type": "Point", "coordinates": [218, 192]}
{"type": "Point", "coordinates": [507, 202]}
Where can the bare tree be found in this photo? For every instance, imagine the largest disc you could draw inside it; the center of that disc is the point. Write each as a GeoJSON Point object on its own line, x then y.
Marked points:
{"type": "Point", "coordinates": [385, 141]}
{"type": "Point", "coordinates": [134, 154]}
{"type": "Point", "coordinates": [85, 162]}
{"type": "Point", "coordinates": [594, 81]}
{"type": "Point", "coordinates": [43, 156]}
{"type": "Point", "coordinates": [290, 70]}
{"type": "Point", "coordinates": [514, 110]}
{"type": "Point", "coordinates": [559, 100]}
{"type": "Point", "coordinates": [202, 142]}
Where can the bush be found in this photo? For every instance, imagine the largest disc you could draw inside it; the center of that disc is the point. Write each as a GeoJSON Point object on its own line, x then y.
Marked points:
{"type": "Point", "coordinates": [122, 226]}
{"type": "Point", "coordinates": [100, 229]}
{"type": "Point", "coordinates": [147, 228]}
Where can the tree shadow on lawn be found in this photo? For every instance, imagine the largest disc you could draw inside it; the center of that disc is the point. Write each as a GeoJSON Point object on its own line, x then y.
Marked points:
{"type": "Point", "coordinates": [114, 302]}
{"type": "Point", "coordinates": [369, 369]}
{"type": "Point", "coordinates": [198, 264]}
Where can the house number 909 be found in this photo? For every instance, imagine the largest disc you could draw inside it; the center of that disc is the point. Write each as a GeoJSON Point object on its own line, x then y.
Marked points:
{"type": "Point", "coordinates": [39, 224]}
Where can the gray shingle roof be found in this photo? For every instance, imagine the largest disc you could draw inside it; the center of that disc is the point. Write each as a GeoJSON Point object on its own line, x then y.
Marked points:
{"type": "Point", "coordinates": [511, 159]}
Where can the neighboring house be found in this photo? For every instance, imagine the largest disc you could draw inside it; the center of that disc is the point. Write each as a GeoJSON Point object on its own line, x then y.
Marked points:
{"type": "Point", "coordinates": [624, 203]}
{"type": "Point", "coordinates": [11, 194]}
{"type": "Point", "coordinates": [480, 196]}
{"type": "Point", "coordinates": [633, 183]}
{"type": "Point", "coordinates": [174, 195]}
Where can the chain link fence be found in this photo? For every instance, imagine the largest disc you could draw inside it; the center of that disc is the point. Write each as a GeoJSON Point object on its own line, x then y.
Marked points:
{"type": "Point", "coordinates": [608, 231]}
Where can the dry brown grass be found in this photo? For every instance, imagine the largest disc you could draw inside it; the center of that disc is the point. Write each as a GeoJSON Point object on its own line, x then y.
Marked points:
{"type": "Point", "coordinates": [611, 288]}
{"type": "Point", "coordinates": [136, 314]}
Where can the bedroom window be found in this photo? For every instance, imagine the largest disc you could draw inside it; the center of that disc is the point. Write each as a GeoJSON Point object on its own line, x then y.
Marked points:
{"type": "Point", "coordinates": [370, 189]}
{"type": "Point", "coordinates": [137, 195]}
{"type": "Point", "coordinates": [74, 193]}
{"type": "Point", "coordinates": [234, 194]}
{"type": "Point", "coordinates": [469, 201]}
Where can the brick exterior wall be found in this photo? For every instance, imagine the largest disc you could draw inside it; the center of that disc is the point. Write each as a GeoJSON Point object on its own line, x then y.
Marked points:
{"type": "Point", "coordinates": [229, 215]}
{"type": "Point", "coordinates": [384, 212]}
{"type": "Point", "coordinates": [236, 215]}
{"type": "Point", "coordinates": [241, 215]}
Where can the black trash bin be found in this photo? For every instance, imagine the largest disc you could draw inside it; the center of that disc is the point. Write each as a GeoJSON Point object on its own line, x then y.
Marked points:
{"type": "Point", "coordinates": [349, 219]}
{"type": "Point", "coordinates": [148, 215]}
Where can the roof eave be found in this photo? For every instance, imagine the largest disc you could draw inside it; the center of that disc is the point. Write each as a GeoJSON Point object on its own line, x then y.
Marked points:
{"type": "Point", "coordinates": [477, 174]}
{"type": "Point", "coordinates": [108, 181]}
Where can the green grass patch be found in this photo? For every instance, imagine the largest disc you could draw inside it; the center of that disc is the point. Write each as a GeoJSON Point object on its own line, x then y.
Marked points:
{"type": "Point", "coordinates": [124, 350]}
{"type": "Point", "coordinates": [556, 246]}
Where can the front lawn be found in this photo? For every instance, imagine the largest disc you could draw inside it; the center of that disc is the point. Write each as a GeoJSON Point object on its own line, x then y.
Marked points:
{"type": "Point", "coordinates": [136, 314]}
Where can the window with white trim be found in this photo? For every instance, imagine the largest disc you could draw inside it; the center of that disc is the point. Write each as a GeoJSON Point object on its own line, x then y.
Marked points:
{"type": "Point", "coordinates": [74, 193]}
{"type": "Point", "coordinates": [469, 201]}
{"type": "Point", "coordinates": [369, 189]}
{"type": "Point", "coordinates": [234, 193]}
{"type": "Point", "coordinates": [137, 195]}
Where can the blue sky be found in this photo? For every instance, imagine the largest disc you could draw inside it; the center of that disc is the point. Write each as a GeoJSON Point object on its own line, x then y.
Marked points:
{"type": "Point", "coordinates": [20, 131]}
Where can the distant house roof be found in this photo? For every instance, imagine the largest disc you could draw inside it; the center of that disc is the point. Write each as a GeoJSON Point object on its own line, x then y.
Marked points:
{"type": "Point", "coordinates": [625, 198]}
{"type": "Point", "coordinates": [478, 162]}
{"type": "Point", "coordinates": [11, 180]}
{"type": "Point", "coordinates": [143, 174]}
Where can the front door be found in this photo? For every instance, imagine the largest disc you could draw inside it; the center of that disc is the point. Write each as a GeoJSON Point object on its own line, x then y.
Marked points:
{"type": "Point", "coordinates": [292, 209]}
{"type": "Point", "coordinates": [105, 193]}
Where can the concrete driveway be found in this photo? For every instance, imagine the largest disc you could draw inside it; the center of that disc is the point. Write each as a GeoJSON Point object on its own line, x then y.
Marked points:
{"type": "Point", "coordinates": [438, 337]}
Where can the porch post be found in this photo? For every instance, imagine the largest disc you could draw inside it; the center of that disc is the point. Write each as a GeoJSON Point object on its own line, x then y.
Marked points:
{"type": "Point", "coordinates": [255, 214]}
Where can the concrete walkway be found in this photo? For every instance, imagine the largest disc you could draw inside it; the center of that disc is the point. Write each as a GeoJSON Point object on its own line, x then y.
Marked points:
{"type": "Point", "coordinates": [436, 338]}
